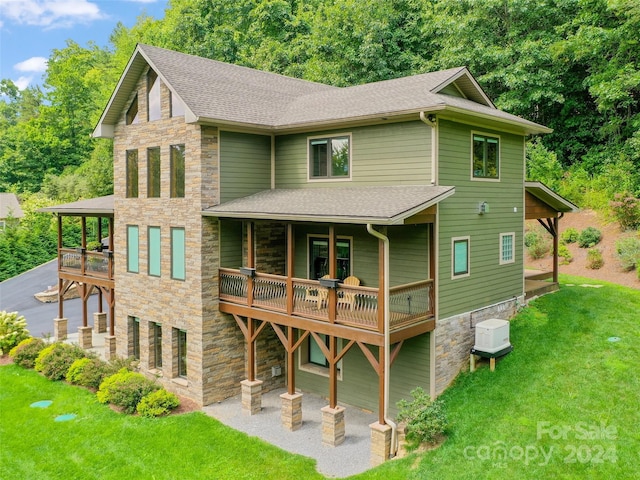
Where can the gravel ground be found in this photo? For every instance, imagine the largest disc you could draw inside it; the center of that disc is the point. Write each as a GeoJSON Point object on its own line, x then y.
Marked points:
{"type": "Point", "coordinates": [350, 458]}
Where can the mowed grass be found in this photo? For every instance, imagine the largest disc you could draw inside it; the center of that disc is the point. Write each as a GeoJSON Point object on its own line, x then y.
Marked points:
{"type": "Point", "coordinates": [564, 404]}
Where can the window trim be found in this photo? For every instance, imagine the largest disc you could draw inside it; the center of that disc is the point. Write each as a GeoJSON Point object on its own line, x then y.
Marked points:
{"type": "Point", "coordinates": [330, 178]}
{"type": "Point", "coordinates": [130, 229]}
{"type": "Point", "coordinates": [149, 251]}
{"type": "Point", "coordinates": [502, 261]}
{"type": "Point", "coordinates": [184, 254]}
{"type": "Point", "coordinates": [338, 237]}
{"type": "Point", "coordinates": [491, 135]}
{"type": "Point", "coordinates": [455, 240]}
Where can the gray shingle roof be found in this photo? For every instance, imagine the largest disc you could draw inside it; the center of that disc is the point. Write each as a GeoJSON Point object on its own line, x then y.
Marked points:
{"type": "Point", "coordinates": [380, 205]}
{"type": "Point", "coordinates": [222, 93]}
{"type": "Point", "coordinates": [91, 206]}
{"type": "Point", "coordinates": [548, 196]}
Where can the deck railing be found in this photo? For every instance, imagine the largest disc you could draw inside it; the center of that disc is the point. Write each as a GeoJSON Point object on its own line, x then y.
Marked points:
{"type": "Point", "coordinates": [83, 262]}
{"type": "Point", "coordinates": [356, 306]}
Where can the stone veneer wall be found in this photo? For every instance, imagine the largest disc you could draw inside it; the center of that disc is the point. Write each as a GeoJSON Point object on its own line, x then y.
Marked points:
{"type": "Point", "coordinates": [455, 336]}
{"type": "Point", "coordinates": [215, 353]}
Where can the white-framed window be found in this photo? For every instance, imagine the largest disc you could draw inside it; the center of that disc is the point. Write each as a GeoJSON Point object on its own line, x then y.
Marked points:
{"type": "Point", "coordinates": [485, 156]}
{"type": "Point", "coordinates": [329, 157]}
{"type": "Point", "coordinates": [318, 256]}
{"type": "Point", "coordinates": [507, 248]}
{"type": "Point", "coordinates": [460, 257]}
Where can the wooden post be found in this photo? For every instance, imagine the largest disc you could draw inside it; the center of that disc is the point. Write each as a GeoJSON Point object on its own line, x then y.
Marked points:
{"type": "Point", "coordinates": [333, 372]}
{"type": "Point", "coordinates": [333, 271]}
{"type": "Point", "coordinates": [250, 260]}
{"type": "Point", "coordinates": [291, 369]}
{"type": "Point", "coordinates": [112, 312]}
{"type": "Point", "coordinates": [251, 354]}
{"type": "Point", "coordinates": [382, 285]}
{"type": "Point", "coordinates": [290, 268]}
{"type": "Point", "coordinates": [111, 233]}
{"type": "Point", "coordinates": [83, 244]}
{"type": "Point", "coordinates": [432, 267]}
{"type": "Point", "coordinates": [84, 295]}
{"type": "Point", "coordinates": [381, 385]}
{"type": "Point", "coordinates": [556, 234]}
{"type": "Point", "coordinates": [60, 282]}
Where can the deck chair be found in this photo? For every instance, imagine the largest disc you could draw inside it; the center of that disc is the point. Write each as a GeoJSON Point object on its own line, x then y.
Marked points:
{"type": "Point", "coordinates": [349, 298]}
{"type": "Point", "coordinates": [317, 294]}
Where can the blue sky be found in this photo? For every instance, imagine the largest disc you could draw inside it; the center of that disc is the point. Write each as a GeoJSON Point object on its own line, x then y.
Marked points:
{"type": "Point", "coordinates": [31, 29]}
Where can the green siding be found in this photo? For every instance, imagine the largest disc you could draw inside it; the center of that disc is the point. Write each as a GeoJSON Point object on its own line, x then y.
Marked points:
{"type": "Point", "coordinates": [245, 164]}
{"type": "Point", "coordinates": [391, 154]}
{"type": "Point", "coordinates": [230, 244]}
{"type": "Point", "coordinates": [451, 90]}
{"type": "Point", "coordinates": [359, 384]}
{"type": "Point", "coordinates": [488, 282]}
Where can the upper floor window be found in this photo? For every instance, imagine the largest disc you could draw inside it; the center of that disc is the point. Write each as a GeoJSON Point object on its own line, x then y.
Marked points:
{"type": "Point", "coordinates": [153, 96]}
{"type": "Point", "coordinates": [177, 171]}
{"type": "Point", "coordinates": [330, 157]}
{"type": "Point", "coordinates": [153, 172]}
{"type": "Point", "coordinates": [132, 113]}
{"type": "Point", "coordinates": [486, 156]}
{"type": "Point", "coordinates": [177, 107]}
{"type": "Point", "coordinates": [132, 173]}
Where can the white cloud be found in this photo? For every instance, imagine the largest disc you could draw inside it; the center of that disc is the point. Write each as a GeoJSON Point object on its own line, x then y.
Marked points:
{"type": "Point", "coordinates": [51, 13]}
{"type": "Point", "coordinates": [23, 82]}
{"type": "Point", "coordinates": [33, 64]}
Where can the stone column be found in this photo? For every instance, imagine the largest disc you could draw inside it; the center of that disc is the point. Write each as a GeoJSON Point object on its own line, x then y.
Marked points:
{"type": "Point", "coordinates": [100, 322]}
{"type": "Point", "coordinates": [291, 412]}
{"type": "Point", "coordinates": [85, 338]}
{"type": "Point", "coordinates": [60, 329]}
{"type": "Point", "coordinates": [109, 347]}
{"type": "Point", "coordinates": [380, 443]}
{"type": "Point", "coordinates": [251, 396]}
{"type": "Point", "coordinates": [332, 425]}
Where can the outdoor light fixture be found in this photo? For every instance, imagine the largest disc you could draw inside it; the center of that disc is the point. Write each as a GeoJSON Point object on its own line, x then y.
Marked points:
{"type": "Point", "coordinates": [483, 208]}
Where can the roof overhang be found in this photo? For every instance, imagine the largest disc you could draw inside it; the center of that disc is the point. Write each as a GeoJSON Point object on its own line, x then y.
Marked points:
{"type": "Point", "coordinates": [549, 197]}
{"type": "Point", "coordinates": [376, 205]}
{"type": "Point", "coordinates": [92, 207]}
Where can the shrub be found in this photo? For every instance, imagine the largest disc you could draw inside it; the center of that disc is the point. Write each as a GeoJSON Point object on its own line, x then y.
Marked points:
{"type": "Point", "coordinates": [125, 389]}
{"type": "Point", "coordinates": [54, 361]}
{"type": "Point", "coordinates": [13, 329]}
{"type": "Point", "coordinates": [425, 419]}
{"type": "Point", "coordinates": [88, 372]}
{"type": "Point", "coordinates": [589, 237]}
{"type": "Point", "coordinates": [594, 259]}
{"type": "Point", "coordinates": [26, 352]}
{"type": "Point", "coordinates": [628, 250]}
{"type": "Point", "coordinates": [626, 209]}
{"type": "Point", "coordinates": [532, 237]}
{"type": "Point", "coordinates": [157, 403]}
{"type": "Point", "coordinates": [565, 254]}
{"type": "Point", "coordinates": [570, 235]}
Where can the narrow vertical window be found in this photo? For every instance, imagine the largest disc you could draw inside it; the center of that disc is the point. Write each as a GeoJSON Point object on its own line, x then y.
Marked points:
{"type": "Point", "coordinates": [177, 171]}
{"type": "Point", "coordinates": [134, 337]}
{"type": "Point", "coordinates": [154, 251]}
{"type": "Point", "coordinates": [156, 344]}
{"type": "Point", "coordinates": [177, 107]}
{"type": "Point", "coordinates": [460, 256]}
{"type": "Point", "coordinates": [153, 96]}
{"type": "Point", "coordinates": [153, 172]}
{"type": "Point", "coordinates": [181, 352]}
{"type": "Point", "coordinates": [132, 113]}
{"type": "Point", "coordinates": [133, 248]}
{"type": "Point", "coordinates": [507, 242]}
{"type": "Point", "coordinates": [132, 173]}
{"type": "Point", "coordinates": [178, 254]}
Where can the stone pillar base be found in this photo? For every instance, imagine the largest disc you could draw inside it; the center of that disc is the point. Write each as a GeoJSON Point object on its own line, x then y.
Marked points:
{"type": "Point", "coordinates": [380, 443]}
{"type": "Point", "coordinates": [251, 396]}
{"type": "Point", "coordinates": [109, 347]}
{"type": "Point", "coordinates": [332, 425]}
{"type": "Point", "coordinates": [60, 329]}
{"type": "Point", "coordinates": [99, 322]}
{"type": "Point", "coordinates": [291, 412]}
{"type": "Point", "coordinates": [85, 337]}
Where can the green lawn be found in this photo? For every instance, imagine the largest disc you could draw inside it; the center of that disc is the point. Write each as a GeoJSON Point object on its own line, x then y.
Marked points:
{"type": "Point", "coordinates": [564, 404]}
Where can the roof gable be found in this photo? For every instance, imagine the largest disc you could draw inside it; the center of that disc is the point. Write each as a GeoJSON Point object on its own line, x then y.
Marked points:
{"type": "Point", "coordinates": [9, 206]}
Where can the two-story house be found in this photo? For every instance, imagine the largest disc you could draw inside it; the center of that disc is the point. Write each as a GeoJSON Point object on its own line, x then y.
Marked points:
{"type": "Point", "coordinates": [269, 232]}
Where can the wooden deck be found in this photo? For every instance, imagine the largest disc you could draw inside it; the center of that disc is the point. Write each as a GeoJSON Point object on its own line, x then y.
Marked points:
{"type": "Point", "coordinates": [538, 282]}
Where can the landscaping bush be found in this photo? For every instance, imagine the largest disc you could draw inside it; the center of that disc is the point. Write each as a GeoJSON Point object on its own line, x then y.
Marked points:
{"type": "Point", "coordinates": [626, 209]}
{"type": "Point", "coordinates": [589, 237]}
{"type": "Point", "coordinates": [157, 403]}
{"type": "Point", "coordinates": [26, 352]}
{"type": "Point", "coordinates": [532, 237]}
{"type": "Point", "coordinates": [628, 250]}
{"type": "Point", "coordinates": [13, 329]}
{"type": "Point", "coordinates": [125, 389]}
{"type": "Point", "coordinates": [594, 259]}
{"type": "Point", "coordinates": [54, 361]}
{"type": "Point", "coordinates": [538, 245]}
{"type": "Point", "coordinates": [425, 419]}
{"type": "Point", "coordinates": [570, 235]}
{"type": "Point", "coordinates": [88, 372]}
{"type": "Point", "coordinates": [565, 254]}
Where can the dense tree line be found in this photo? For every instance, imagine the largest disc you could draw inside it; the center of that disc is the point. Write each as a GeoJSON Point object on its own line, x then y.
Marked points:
{"type": "Point", "coordinates": [572, 65]}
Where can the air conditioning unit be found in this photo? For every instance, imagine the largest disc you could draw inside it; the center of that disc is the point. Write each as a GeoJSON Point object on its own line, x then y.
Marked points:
{"type": "Point", "coordinates": [492, 336]}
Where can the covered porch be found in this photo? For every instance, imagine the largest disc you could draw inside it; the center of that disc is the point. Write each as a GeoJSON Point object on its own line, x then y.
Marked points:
{"type": "Point", "coordinates": [90, 270]}
{"type": "Point", "coordinates": [548, 208]}
{"type": "Point", "coordinates": [323, 311]}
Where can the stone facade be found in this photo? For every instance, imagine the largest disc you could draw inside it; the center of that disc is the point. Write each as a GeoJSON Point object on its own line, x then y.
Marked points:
{"type": "Point", "coordinates": [455, 337]}
{"type": "Point", "coordinates": [215, 346]}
